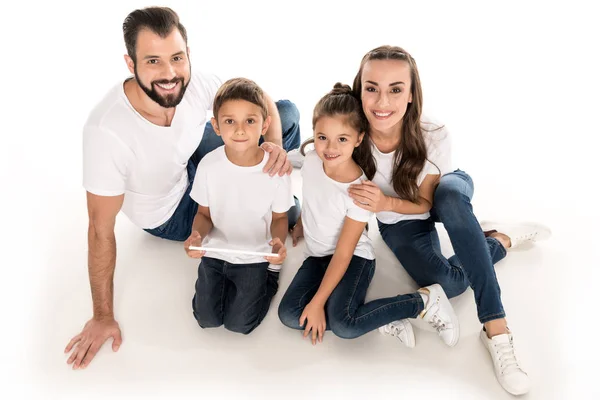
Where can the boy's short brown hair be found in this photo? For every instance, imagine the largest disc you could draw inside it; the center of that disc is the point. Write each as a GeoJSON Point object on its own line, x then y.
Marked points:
{"type": "Point", "coordinates": [240, 89]}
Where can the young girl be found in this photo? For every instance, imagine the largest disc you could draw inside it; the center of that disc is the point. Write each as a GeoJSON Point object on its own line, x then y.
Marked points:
{"type": "Point", "coordinates": [328, 291]}
{"type": "Point", "coordinates": [404, 155]}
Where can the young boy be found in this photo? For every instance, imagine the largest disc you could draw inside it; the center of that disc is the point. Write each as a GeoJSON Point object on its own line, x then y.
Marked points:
{"type": "Point", "coordinates": [240, 208]}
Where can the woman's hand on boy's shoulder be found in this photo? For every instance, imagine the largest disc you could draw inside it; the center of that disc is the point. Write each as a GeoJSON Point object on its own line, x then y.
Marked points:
{"type": "Point", "coordinates": [279, 249]}
{"type": "Point", "coordinates": [194, 240]}
{"type": "Point", "coordinates": [278, 162]}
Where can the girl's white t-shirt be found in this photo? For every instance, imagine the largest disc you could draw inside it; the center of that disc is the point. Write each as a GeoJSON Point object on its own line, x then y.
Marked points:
{"type": "Point", "coordinates": [325, 205]}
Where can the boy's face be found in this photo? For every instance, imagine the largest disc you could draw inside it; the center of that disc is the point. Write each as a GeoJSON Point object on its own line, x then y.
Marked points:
{"type": "Point", "coordinates": [240, 124]}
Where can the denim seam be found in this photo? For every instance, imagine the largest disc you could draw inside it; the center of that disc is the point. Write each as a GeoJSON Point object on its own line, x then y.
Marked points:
{"type": "Point", "coordinates": [223, 292]}
{"type": "Point", "coordinates": [362, 269]}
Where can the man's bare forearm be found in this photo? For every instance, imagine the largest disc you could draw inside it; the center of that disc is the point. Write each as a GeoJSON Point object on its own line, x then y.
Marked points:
{"type": "Point", "coordinates": [102, 256]}
{"type": "Point", "coordinates": [274, 133]}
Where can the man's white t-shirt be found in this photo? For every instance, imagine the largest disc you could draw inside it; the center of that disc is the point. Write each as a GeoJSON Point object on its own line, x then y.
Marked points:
{"type": "Point", "coordinates": [438, 146]}
{"type": "Point", "coordinates": [124, 153]}
{"type": "Point", "coordinates": [241, 202]}
{"type": "Point", "coordinates": [325, 205]}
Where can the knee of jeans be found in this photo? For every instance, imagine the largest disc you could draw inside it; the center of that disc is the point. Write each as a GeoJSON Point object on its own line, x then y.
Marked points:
{"type": "Point", "coordinates": [205, 322]}
{"type": "Point", "coordinates": [288, 112]}
{"type": "Point", "coordinates": [342, 327]}
{"type": "Point", "coordinates": [450, 203]}
{"type": "Point", "coordinates": [240, 327]}
{"type": "Point", "coordinates": [288, 316]}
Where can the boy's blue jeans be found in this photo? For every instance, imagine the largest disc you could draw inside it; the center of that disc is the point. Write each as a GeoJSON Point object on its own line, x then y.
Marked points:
{"type": "Point", "coordinates": [417, 246]}
{"type": "Point", "coordinates": [179, 226]}
{"type": "Point", "coordinates": [234, 295]}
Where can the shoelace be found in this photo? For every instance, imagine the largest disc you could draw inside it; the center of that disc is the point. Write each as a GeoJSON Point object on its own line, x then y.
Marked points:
{"type": "Point", "coordinates": [394, 330]}
{"type": "Point", "coordinates": [506, 356]}
{"type": "Point", "coordinates": [437, 323]}
{"type": "Point", "coordinates": [529, 236]}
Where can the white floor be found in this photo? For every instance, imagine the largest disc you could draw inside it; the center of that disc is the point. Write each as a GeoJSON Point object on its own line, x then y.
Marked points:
{"type": "Point", "coordinates": [165, 353]}
{"type": "Point", "coordinates": [517, 86]}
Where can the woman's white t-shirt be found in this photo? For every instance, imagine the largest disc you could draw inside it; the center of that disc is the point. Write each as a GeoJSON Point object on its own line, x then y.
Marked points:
{"type": "Point", "coordinates": [439, 161]}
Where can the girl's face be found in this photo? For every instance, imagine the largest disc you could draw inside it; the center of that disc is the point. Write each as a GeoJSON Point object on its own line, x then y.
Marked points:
{"type": "Point", "coordinates": [385, 93]}
{"type": "Point", "coordinates": [335, 140]}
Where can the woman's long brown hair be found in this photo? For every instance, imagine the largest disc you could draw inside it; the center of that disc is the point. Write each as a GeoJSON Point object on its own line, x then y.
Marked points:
{"type": "Point", "coordinates": [411, 153]}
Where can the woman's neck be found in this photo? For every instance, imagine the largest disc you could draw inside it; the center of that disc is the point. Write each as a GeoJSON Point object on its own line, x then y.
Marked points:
{"type": "Point", "coordinates": [386, 141]}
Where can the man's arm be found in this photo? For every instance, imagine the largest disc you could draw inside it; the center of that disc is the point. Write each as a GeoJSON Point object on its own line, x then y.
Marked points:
{"type": "Point", "coordinates": [102, 252]}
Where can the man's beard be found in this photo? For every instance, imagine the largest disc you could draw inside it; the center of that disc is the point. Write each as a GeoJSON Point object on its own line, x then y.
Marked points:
{"type": "Point", "coordinates": [168, 101]}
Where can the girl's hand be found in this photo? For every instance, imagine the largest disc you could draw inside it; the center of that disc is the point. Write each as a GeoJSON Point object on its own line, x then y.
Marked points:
{"type": "Point", "coordinates": [297, 232]}
{"type": "Point", "coordinates": [278, 248]}
{"type": "Point", "coordinates": [368, 196]}
{"type": "Point", "coordinates": [314, 315]}
{"type": "Point", "coordinates": [194, 240]}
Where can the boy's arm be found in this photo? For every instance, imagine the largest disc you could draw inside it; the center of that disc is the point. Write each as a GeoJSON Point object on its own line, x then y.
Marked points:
{"type": "Point", "coordinates": [202, 222]}
{"type": "Point", "coordinates": [279, 226]}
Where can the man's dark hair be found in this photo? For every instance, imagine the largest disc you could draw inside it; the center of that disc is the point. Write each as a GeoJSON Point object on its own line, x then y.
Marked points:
{"type": "Point", "coordinates": [160, 20]}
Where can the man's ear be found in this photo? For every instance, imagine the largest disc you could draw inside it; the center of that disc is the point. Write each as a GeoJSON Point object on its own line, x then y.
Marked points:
{"type": "Point", "coordinates": [130, 63]}
{"type": "Point", "coordinates": [266, 125]}
{"type": "Point", "coordinates": [215, 126]}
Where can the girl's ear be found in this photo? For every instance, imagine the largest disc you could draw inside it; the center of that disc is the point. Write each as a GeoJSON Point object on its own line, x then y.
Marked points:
{"type": "Point", "coordinates": [215, 126]}
{"type": "Point", "coordinates": [266, 125]}
{"type": "Point", "coordinates": [361, 136]}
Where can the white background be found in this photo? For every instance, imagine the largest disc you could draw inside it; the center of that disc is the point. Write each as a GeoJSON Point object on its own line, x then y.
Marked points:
{"type": "Point", "coordinates": [516, 84]}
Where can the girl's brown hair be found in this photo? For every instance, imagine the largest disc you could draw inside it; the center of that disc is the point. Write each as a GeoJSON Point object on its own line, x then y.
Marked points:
{"type": "Point", "coordinates": [339, 101]}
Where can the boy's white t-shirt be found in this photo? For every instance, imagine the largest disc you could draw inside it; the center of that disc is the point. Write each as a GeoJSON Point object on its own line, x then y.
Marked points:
{"type": "Point", "coordinates": [439, 155]}
{"type": "Point", "coordinates": [325, 205]}
{"type": "Point", "coordinates": [241, 202]}
{"type": "Point", "coordinates": [124, 153]}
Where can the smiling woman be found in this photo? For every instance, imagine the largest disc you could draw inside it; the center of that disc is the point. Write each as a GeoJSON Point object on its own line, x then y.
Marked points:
{"type": "Point", "coordinates": [407, 159]}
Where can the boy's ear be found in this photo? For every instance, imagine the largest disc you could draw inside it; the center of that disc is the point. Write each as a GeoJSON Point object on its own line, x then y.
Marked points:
{"type": "Point", "coordinates": [215, 126]}
{"type": "Point", "coordinates": [361, 136]}
{"type": "Point", "coordinates": [266, 125]}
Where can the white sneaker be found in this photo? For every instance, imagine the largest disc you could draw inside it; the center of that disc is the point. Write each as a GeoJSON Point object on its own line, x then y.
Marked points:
{"type": "Point", "coordinates": [296, 158]}
{"type": "Point", "coordinates": [402, 330]}
{"type": "Point", "coordinates": [519, 233]}
{"type": "Point", "coordinates": [506, 365]}
{"type": "Point", "coordinates": [440, 315]}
